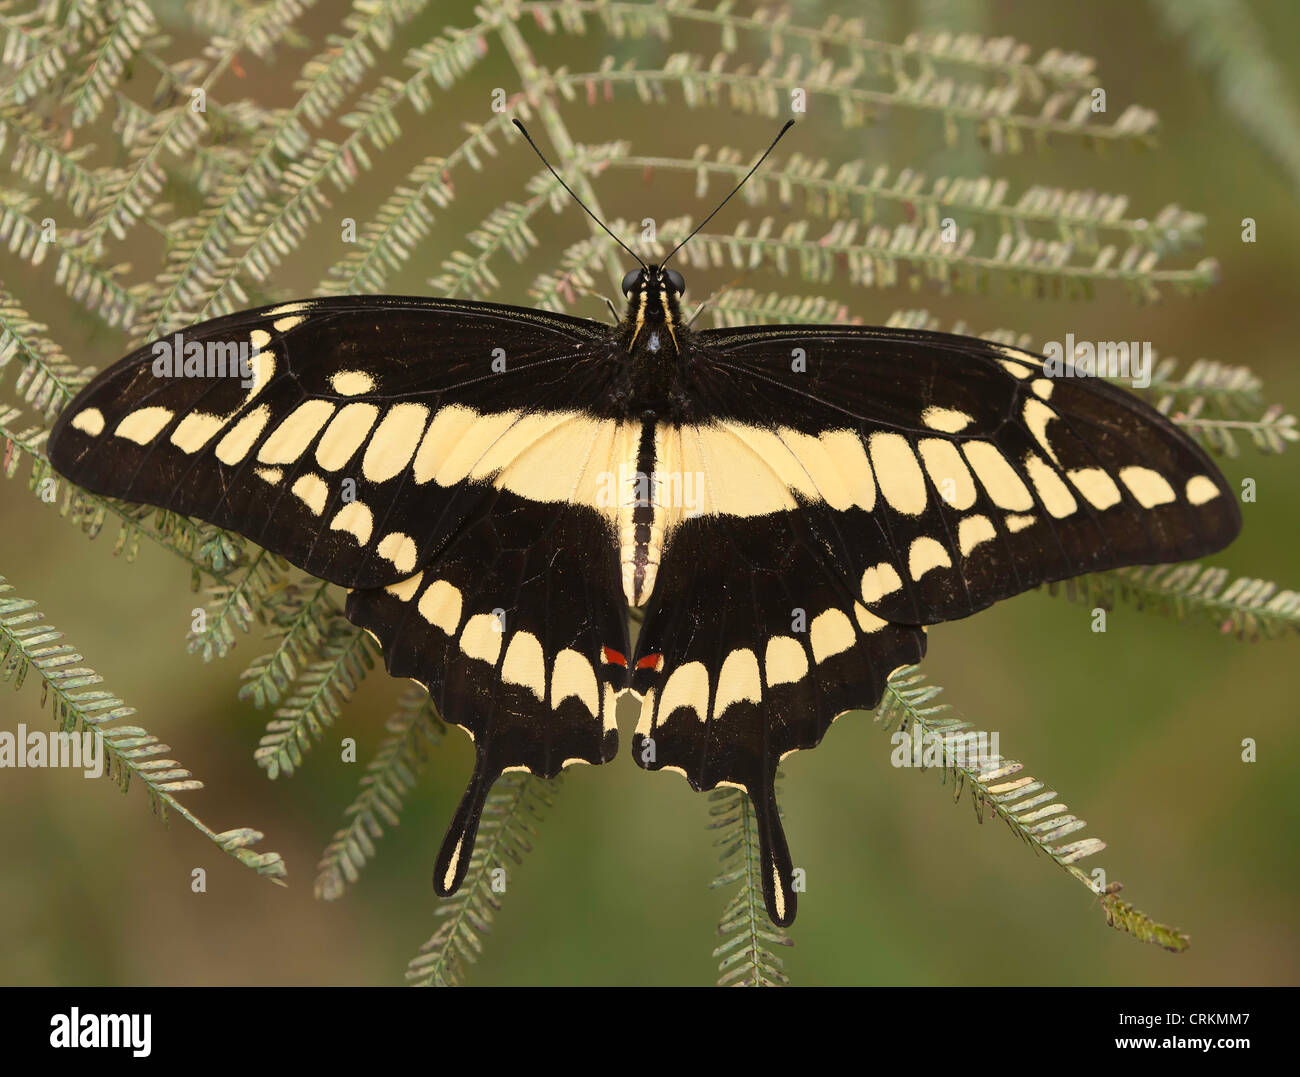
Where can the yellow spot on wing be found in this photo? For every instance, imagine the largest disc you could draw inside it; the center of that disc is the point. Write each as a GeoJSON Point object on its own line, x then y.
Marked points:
{"type": "Point", "coordinates": [404, 590]}
{"type": "Point", "coordinates": [288, 308]}
{"type": "Point", "coordinates": [440, 605]}
{"type": "Point", "coordinates": [829, 634]}
{"type": "Point", "coordinates": [1052, 491]}
{"type": "Point", "coordinates": [573, 675]}
{"type": "Point", "coordinates": [1096, 485]}
{"type": "Point", "coordinates": [973, 530]}
{"type": "Point", "coordinates": [1017, 524]}
{"type": "Point", "coordinates": [355, 518]}
{"type": "Point", "coordinates": [344, 435]}
{"type": "Point", "coordinates": [312, 492]}
{"type": "Point", "coordinates": [1000, 481]}
{"type": "Point", "coordinates": [288, 441]}
{"type": "Point", "coordinates": [738, 680]}
{"type": "Point", "coordinates": [1200, 489]}
{"type": "Point", "coordinates": [89, 421]}
{"type": "Point", "coordinates": [947, 420]}
{"type": "Point", "coordinates": [784, 660]}
{"type": "Point", "coordinates": [475, 439]}
{"type": "Point", "coordinates": [232, 448]}
{"type": "Point", "coordinates": [352, 382]}
{"type": "Point", "coordinates": [687, 687]}
{"type": "Point", "coordinates": [399, 549]}
{"type": "Point", "coordinates": [926, 554]}
{"type": "Point", "coordinates": [525, 664]}
{"type": "Point", "coordinates": [195, 430]}
{"type": "Point", "coordinates": [394, 441]}
{"type": "Point", "coordinates": [878, 581]}
{"type": "Point", "coordinates": [948, 472]}
{"type": "Point", "coordinates": [481, 638]}
{"type": "Point", "coordinates": [898, 473]}
{"type": "Point", "coordinates": [1149, 487]}
{"type": "Point", "coordinates": [143, 425]}
{"type": "Point", "coordinates": [1037, 416]}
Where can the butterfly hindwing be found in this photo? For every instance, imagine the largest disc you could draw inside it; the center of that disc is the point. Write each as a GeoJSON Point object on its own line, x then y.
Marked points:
{"type": "Point", "coordinates": [751, 647]}
{"type": "Point", "coordinates": [510, 629]}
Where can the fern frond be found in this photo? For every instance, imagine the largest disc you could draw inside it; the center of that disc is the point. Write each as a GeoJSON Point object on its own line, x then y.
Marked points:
{"type": "Point", "coordinates": [907, 254]}
{"type": "Point", "coordinates": [412, 730]}
{"type": "Point", "coordinates": [35, 152]}
{"type": "Point", "coordinates": [506, 228]}
{"type": "Point", "coordinates": [23, 38]}
{"type": "Point", "coordinates": [129, 24]}
{"type": "Point", "coordinates": [39, 73]}
{"type": "Point", "coordinates": [330, 75]}
{"type": "Point", "coordinates": [510, 816]}
{"type": "Point", "coordinates": [201, 273]}
{"type": "Point", "coordinates": [748, 959]}
{"type": "Point", "coordinates": [97, 288]}
{"type": "Point", "coordinates": [46, 379]}
{"type": "Point", "coordinates": [133, 191]}
{"type": "Point", "coordinates": [302, 615]}
{"type": "Point", "coordinates": [345, 655]}
{"type": "Point", "coordinates": [921, 54]}
{"type": "Point", "coordinates": [258, 30]}
{"type": "Point", "coordinates": [237, 606]}
{"type": "Point", "coordinates": [1024, 803]}
{"type": "Point", "coordinates": [1272, 432]}
{"type": "Point", "coordinates": [208, 550]}
{"type": "Point", "coordinates": [765, 90]}
{"type": "Point", "coordinates": [406, 216]}
{"type": "Point", "coordinates": [745, 306]}
{"type": "Point", "coordinates": [27, 643]}
{"type": "Point", "coordinates": [1207, 385]}
{"type": "Point", "coordinates": [1083, 218]}
{"type": "Point", "coordinates": [1247, 608]}
{"type": "Point", "coordinates": [558, 288]}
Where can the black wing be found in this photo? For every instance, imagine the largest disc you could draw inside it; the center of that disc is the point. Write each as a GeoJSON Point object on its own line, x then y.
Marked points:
{"type": "Point", "coordinates": [858, 484]}
{"type": "Point", "coordinates": [353, 448]}
{"type": "Point", "coordinates": [440, 458]}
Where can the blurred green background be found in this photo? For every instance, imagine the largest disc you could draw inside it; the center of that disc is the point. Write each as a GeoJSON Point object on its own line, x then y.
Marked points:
{"type": "Point", "coordinates": [1138, 728]}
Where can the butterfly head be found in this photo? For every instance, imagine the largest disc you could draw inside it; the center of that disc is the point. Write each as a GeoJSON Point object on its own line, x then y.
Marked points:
{"type": "Point", "coordinates": [653, 316]}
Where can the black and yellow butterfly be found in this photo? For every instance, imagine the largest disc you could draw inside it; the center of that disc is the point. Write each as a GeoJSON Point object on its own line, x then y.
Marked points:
{"type": "Point", "coordinates": [788, 506]}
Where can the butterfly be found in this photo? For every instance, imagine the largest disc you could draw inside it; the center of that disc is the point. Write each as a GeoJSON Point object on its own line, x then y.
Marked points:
{"type": "Point", "coordinates": [785, 507]}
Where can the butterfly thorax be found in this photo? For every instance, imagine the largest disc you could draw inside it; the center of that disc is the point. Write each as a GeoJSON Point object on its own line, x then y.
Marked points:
{"type": "Point", "coordinates": [652, 348]}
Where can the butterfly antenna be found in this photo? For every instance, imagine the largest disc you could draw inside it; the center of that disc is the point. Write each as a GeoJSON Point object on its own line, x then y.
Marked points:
{"type": "Point", "coordinates": [524, 131]}
{"type": "Point", "coordinates": [788, 125]}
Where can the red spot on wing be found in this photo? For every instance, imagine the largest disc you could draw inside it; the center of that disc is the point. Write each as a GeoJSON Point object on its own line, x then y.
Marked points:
{"type": "Point", "coordinates": [614, 658]}
{"type": "Point", "coordinates": [651, 661]}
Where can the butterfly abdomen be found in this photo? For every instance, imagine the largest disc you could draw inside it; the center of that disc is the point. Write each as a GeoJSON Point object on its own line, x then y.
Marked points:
{"type": "Point", "coordinates": [641, 518]}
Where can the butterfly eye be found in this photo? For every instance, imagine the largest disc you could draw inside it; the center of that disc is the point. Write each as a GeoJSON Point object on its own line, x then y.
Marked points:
{"type": "Point", "coordinates": [675, 281]}
{"type": "Point", "coordinates": [631, 280]}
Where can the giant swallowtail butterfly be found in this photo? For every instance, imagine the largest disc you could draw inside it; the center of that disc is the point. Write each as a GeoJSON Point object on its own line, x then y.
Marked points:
{"type": "Point", "coordinates": [789, 506]}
